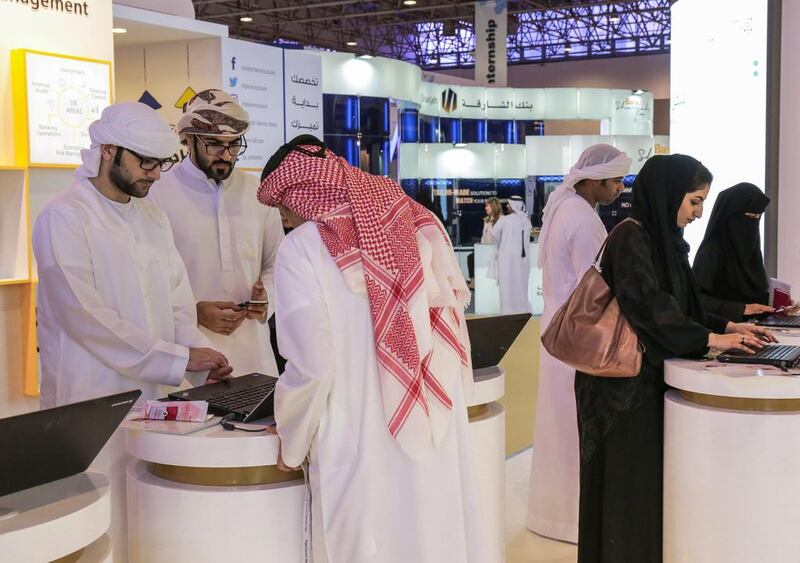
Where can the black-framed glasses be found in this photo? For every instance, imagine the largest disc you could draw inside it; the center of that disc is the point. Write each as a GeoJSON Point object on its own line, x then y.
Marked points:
{"type": "Point", "coordinates": [215, 148]}
{"type": "Point", "coordinates": [150, 163]}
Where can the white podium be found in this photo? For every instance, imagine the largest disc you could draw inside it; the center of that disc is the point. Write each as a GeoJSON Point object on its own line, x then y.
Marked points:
{"type": "Point", "coordinates": [65, 520]}
{"type": "Point", "coordinates": [487, 424]}
{"type": "Point", "coordinates": [218, 495]}
{"type": "Point", "coordinates": [731, 464]}
{"type": "Point", "coordinates": [214, 495]}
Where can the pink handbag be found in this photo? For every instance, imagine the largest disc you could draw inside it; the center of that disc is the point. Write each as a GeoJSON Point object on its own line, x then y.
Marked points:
{"type": "Point", "coordinates": [590, 333]}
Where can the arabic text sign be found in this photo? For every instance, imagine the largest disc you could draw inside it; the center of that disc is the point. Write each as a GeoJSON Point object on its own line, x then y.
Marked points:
{"type": "Point", "coordinates": [253, 74]}
{"type": "Point", "coordinates": [64, 96]}
{"type": "Point", "coordinates": [303, 86]}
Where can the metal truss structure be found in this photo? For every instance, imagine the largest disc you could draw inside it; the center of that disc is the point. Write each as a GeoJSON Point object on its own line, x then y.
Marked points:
{"type": "Point", "coordinates": [440, 33]}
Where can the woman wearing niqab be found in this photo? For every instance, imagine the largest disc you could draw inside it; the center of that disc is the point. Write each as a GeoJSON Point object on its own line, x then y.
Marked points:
{"type": "Point", "coordinates": [729, 265]}
{"type": "Point", "coordinates": [620, 420]}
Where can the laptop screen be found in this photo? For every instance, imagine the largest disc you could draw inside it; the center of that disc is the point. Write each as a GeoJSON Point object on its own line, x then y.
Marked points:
{"type": "Point", "coordinates": [491, 337]}
{"type": "Point", "coordinates": [51, 444]}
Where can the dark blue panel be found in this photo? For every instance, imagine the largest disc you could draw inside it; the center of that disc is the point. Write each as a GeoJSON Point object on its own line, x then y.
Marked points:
{"type": "Point", "coordinates": [451, 130]}
{"type": "Point", "coordinates": [410, 186]}
{"type": "Point", "coordinates": [473, 130]}
{"type": "Point", "coordinates": [345, 146]}
{"type": "Point", "coordinates": [409, 126]}
{"type": "Point", "coordinates": [501, 131]}
{"type": "Point", "coordinates": [429, 129]}
{"type": "Point", "coordinates": [374, 116]}
{"type": "Point", "coordinates": [375, 152]}
{"type": "Point", "coordinates": [340, 114]}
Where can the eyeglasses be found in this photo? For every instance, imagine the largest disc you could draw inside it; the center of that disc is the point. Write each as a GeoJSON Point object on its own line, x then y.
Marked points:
{"type": "Point", "coordinates": [149, 163]}
{"type": "Point", "coordinates": [215, 148]}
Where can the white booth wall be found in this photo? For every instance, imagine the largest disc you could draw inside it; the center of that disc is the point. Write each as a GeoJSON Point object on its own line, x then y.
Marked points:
{"type": "Point", "coordinates": [50, 31]}
{"type": "Point", "coordinates": [719, 92]}
{"type": "Point", "coordinates": [789, 167]}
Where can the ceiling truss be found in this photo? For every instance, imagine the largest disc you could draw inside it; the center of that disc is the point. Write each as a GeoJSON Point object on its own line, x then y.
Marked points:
{"type": "Point", "coordinates": [440, 33]}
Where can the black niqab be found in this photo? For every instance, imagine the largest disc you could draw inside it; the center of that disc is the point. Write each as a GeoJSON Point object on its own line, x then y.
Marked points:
{"type": "Point", "coordinates": [740, 274]}
{"type": "Point", "coordinates": [657, 195]}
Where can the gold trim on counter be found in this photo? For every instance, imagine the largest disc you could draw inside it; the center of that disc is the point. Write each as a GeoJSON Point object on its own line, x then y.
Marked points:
{"type": "Point", "coordinates": [477, 411]}
{"type": "Point", "coordinates": [223, 476]}
{"type": "Point", "coordinates": [741, 403]}
{"type": "Point", "coordinates": [71, 558]}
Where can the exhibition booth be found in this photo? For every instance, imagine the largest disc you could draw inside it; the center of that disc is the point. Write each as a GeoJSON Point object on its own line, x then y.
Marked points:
{"type": "Point", "coordinates": [452, 145]}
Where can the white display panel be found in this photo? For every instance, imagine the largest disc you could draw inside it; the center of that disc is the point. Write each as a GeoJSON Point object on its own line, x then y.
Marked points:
{"type": "Point", "coordinates": [303, 87]}
{"type": "Point", "coordinates": [253, 74]}
{"type": "Point", "coordinates": [554, 155]}
{"type": "Point", "coordinates": [64, 95]}
{"type": "Point", "coordinates": [718, 84]}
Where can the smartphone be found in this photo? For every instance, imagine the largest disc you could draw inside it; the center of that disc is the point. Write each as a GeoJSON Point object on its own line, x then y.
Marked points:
{"type": "Point", "coordinates": [246, 304]}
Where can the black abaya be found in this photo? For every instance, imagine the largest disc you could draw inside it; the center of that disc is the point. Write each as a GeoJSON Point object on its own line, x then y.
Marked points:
{"type": "Point", "coordinates": [620, 421]}
{"type": "Point", "coordinates": [729, 266]}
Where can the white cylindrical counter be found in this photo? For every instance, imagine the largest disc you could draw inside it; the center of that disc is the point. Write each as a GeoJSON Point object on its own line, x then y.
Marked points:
{"type": "Point", "coordinates": [63, 520]}
{"type": "Point", "coordinates": [214, 495]}
{"type": "Point", "coordinates": [487, 424]}
{"type": "Point", "coordinates": [218, 495]}
{"type": "Point", "coordinates": [731, 463]}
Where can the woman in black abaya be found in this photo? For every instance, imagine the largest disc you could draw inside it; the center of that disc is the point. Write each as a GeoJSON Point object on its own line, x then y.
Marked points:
{"type": "Point", "coordinates": [729, 266]}
{"type": "Point", "coordinates": [620, 420]}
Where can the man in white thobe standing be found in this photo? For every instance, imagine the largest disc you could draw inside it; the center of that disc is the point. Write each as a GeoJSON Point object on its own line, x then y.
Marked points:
{"type": "Point", "coordinates": [369, 307]}
{"type": "Point", "coordinates": [512, 236]}
{"type": "Point", "coordinates": [227, 241]}
{"type": "Point", "coordinates": [115, 307]}
{"type": "Point", "coordinates": [572, 234]}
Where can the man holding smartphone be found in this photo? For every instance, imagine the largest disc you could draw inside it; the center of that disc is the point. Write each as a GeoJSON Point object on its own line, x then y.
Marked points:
{"type": "Point", "coordinates": [227, 241]}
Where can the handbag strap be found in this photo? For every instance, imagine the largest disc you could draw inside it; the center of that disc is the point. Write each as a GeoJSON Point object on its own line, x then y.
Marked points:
{"type": "Point", "coordinates": [599, 257]}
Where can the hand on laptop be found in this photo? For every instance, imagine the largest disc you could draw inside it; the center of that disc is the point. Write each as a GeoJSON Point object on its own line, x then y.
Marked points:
{"type": "Point", "coordinates": [749, 329]}
{"type": "Point", "coordinates": [757, 309]}
{"type": "Point", "coordinates": [202, 359]}
{"type": "Point", "coordinates": [734, 342]}
{"type": "Point", "coordinates": [219, 374]}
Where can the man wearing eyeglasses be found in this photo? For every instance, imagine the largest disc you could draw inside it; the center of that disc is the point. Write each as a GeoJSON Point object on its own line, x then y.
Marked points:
{"type": "Point", "coordinates": [226, 239]}
{"type": "Point", "coordinates": [115, 308]}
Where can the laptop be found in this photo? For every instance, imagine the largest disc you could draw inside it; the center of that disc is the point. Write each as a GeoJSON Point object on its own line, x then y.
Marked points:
{"type": "Point", "coordinates": [491, 337]}
{"type": "Point", "coordinates": [779, 355]}
{"type": "Point", "coordinates": [248, 397]}
{"type": "Point", "coordinates": [780, 321]}
{"type": "Point", "coordinates": [52, 444]}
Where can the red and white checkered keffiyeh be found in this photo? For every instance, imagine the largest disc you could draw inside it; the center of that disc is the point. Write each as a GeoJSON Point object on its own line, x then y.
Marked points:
{"type": "Point", "coordinates": [382, 239]}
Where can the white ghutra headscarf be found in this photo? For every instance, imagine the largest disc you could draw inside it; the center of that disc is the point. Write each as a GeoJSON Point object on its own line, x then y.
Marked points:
{"type": "Point", "coordinates": [598, 162]}
{"type": "Point", "coordinates": [131, 125]}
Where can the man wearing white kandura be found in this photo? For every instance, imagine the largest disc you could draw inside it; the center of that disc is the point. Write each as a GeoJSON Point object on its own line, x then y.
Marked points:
{"type": "Point", "coordinates": [226, 239]}
{"type": "Point", "coordinates": [572, 234]}
{"type": "Point", "coordinates": [115, 308]}
{"type": "Point", "coordinates": [512, 237]}
{"type": "Point", "coordinates": [370, 311]}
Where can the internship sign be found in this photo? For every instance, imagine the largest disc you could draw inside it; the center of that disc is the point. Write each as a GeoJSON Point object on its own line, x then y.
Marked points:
{"type": "Point", "coordinates": [491, 30]}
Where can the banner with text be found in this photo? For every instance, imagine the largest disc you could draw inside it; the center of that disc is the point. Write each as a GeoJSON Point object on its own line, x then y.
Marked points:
{"type": "Point", "coordinates": [253, 74]}
{"type": "Point", "coordinates": [303, 87]}
{"type": "Point", "coordinates": [491, 30]}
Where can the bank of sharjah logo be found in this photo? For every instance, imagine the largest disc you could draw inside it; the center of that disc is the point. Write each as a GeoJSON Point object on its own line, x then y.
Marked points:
{"type": "Point", "coordinates": [449, 100]}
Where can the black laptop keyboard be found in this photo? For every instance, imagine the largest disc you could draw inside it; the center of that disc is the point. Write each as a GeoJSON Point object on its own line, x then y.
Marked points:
{"type": "Point", "coordinates": [777, 353]}
{"type": "Point", "coordinates": [781, 321]}
{"type": "Point", "coordinates": [233, 400]}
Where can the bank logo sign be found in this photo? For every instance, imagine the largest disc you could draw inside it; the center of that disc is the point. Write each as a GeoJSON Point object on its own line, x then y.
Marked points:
{"type": "Point", "coordinates": [449, 100]}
